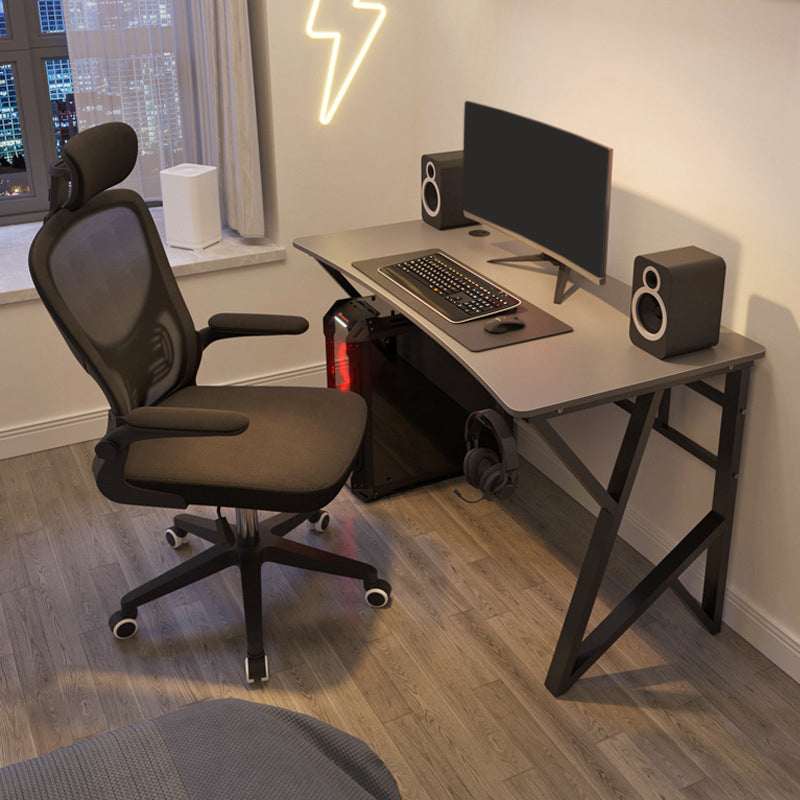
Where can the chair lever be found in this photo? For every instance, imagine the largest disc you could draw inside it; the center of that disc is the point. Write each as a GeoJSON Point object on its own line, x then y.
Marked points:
{"type": "Point", "coordinates": [225, 530]}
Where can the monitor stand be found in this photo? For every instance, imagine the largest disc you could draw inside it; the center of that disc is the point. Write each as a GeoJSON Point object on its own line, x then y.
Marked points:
{"type": "Point", "coordinates": [561, 276]}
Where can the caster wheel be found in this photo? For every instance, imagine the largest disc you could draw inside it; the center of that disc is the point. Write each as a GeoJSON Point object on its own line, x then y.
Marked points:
{"type": "Point", "coordinates": [256, 669]}
{"type": "Point", "coordinates": [123, 626]}
{"type": "Point", "coordinates": [176, 537]}
{"type": "Point", "coordinates": [378, 593]}
{"type": "Point", "coordinates": [320, 521]}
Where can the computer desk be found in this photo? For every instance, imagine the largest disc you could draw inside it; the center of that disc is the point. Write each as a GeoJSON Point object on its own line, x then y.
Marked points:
{"type": "Point", "coordinates": [593, 365]}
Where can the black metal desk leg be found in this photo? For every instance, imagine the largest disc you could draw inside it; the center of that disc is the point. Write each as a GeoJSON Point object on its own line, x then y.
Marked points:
{"type": "Point", "coordinates": [725, 484]}
{"type": "Point", "coordinates": [348, 287]}
{"type": "Point", "coordinates": [564, 667]}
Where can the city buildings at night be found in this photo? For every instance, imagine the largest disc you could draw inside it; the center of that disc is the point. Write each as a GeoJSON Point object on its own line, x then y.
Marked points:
{"type": "Point", "coordinates": [140, 88]}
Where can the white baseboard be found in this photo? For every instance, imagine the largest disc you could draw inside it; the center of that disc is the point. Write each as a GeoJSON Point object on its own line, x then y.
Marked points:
{"type": "Point", "coordinates": [32, 438]}
{"type": "Point", "coordinates": [312, 375]}
{"type": "Point", "coordinates": [59, 431]}
{"type": "Point", "coordinates": [779, 645]}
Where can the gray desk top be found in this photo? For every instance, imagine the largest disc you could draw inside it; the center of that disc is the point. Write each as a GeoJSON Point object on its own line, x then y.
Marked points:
{"type": "Point", "coordinates": [595, 363]}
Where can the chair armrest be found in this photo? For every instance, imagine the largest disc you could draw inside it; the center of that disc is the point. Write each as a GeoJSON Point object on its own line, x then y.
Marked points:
{"type": "Point", "coordinates": [154, 422]}
{"type": "Point", "coordinates": [157, 422]}
{"type": "Point", "coordinates": [191, 421]}
{"type": "Point", "coordinates": [225, 326]}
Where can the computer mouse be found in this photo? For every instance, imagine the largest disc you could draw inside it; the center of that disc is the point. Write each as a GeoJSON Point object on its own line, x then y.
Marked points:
{"type": "Point", "coordinates": [503, 324]}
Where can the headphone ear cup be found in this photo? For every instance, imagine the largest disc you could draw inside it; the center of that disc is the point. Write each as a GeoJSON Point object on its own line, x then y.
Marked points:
{"type": "Point", "coordinates": [507, 489]}
{"type": "Point", "coordinates": [493, 480]}
{"type": "Point", "coordinates": [476, 462]}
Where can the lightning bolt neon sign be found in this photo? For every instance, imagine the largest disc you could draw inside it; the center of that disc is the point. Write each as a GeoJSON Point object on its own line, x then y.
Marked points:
{"type": "Point", "coordinates": [329, 107]}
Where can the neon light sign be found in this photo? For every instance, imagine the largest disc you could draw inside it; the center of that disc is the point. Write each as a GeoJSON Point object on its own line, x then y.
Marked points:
{"type": "Point", "coordinates": [329, 106]}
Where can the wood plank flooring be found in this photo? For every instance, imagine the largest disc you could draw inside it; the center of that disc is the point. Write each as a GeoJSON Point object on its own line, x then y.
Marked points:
{"type": "Point", "coordinates": [446, 684]}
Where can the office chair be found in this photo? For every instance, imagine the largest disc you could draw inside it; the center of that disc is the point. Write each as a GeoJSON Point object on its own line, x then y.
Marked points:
{"type": "Point", "coordinates": [101, 271]}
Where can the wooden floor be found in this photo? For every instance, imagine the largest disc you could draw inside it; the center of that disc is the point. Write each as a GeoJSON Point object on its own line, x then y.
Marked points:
{"type": "Point", "coordinates": [446, 684]}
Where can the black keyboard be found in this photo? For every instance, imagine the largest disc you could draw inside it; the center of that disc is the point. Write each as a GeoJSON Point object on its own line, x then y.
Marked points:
{"type": "Point", "coordinates": [449, 287]}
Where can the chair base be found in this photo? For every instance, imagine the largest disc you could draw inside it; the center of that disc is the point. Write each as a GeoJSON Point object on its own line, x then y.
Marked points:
{"type": "Point", "coordinates": [248, 544]}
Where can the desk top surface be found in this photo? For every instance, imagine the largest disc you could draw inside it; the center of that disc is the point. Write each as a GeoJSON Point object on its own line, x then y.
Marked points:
{"type": "Point", "coordinates": [595, 363]}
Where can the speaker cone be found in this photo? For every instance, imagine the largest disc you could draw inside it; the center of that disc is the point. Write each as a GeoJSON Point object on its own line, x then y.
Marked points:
{"type": "Point", "coordinates": [431, 197]}
{"type": "Point", "coordinates": [649, 312]}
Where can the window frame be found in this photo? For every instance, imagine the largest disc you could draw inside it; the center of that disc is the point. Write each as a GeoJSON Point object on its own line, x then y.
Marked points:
{"type": "Point", "coordinates": [26, 48]}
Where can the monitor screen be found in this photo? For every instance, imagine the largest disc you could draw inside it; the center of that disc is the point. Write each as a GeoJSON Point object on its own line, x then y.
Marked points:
{"type": "Point", "coordinates": [538, 183]}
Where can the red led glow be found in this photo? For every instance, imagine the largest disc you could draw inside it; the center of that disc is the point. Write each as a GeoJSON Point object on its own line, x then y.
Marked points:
{"type": "Point", "coordinates": [341, 367]}
{"type": "Point", "coordinates": [337, 356]}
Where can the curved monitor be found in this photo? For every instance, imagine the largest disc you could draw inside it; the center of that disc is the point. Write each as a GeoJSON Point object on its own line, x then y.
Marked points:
{"type": "Point", "coordinates": [545, 186]}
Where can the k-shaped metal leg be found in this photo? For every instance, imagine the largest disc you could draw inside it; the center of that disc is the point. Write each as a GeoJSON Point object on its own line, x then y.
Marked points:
{"type": "Point", "coordinates": [574, 654]}
{"type": "Point", "coordinates": [571, 659]}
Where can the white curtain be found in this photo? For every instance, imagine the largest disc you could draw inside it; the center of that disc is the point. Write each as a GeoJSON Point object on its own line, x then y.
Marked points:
{"type": "Point", "coordinates": [122, 56]}
{"type": "Point", "coordinates": [180, 73]}
{"type": "Point", "coordinates": [215, 67]}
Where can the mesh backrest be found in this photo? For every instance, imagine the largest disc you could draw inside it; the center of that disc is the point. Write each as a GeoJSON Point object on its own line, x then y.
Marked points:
{"type": "Point", "coordinates": [103, 275]}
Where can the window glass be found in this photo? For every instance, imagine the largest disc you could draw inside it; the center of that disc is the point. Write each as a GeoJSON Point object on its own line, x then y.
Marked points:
{"type": "Point", "coordinates": [14, 181]}
{"type": "Point", "coordinates": [142, 90]}
{"type": "Point", "coordinates": [37, 113]}
{"type": "Point", "coordinates": [51, 17]}
{"type": "Point", "coordinates": [62, 100]}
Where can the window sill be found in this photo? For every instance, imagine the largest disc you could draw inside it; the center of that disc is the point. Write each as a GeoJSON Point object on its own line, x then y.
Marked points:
{"type": "Point", "coordinates": [233, 251]}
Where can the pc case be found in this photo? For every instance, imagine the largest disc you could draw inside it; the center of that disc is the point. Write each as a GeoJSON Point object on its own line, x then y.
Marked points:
{"type": "Point", "coordinates": [418, 396]}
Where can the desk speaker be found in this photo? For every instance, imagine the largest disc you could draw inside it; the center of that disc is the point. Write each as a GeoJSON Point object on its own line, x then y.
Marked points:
{"type": "Point", "coordinates": [676, 301]}
{"type": "Point", "coordinates": [443, 190]}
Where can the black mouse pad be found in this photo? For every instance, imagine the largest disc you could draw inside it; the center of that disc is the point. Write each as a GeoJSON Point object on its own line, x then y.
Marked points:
{"type": "Point", "coordinates": [538, 323]}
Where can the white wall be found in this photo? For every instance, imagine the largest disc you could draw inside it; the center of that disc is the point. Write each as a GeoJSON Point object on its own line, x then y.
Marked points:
{"type": "Point", "coordinates": [698, 99]}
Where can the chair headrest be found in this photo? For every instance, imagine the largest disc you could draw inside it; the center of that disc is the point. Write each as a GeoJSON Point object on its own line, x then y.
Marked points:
{"type": "Point", "coordinates": [98, 158]}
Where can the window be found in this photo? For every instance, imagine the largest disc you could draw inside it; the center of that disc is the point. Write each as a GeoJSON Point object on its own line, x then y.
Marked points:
{"type": "Point", "coordinates": [37, 110]}
{"type": "Point", "coordinates": [177, 71]}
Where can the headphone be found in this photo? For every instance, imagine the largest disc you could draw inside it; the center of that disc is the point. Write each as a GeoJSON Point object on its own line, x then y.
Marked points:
{"type": "Point", "coordinates": [495, 475]}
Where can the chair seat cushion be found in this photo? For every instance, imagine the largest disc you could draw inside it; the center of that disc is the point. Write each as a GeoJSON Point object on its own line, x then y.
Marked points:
{"type": "Point", "coordinates": [295, 455]}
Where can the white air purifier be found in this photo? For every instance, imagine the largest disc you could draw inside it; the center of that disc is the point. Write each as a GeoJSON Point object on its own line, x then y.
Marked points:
{"type": "Point", "coordinates": [190, 194]}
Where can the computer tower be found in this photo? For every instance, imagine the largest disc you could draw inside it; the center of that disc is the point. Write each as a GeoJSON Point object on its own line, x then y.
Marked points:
{"type": "Point", "coordinates": [418, 396]}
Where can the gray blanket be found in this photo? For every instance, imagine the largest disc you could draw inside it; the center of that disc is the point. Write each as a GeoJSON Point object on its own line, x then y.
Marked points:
{"type": "Point", "coordinates": [210, 751]}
